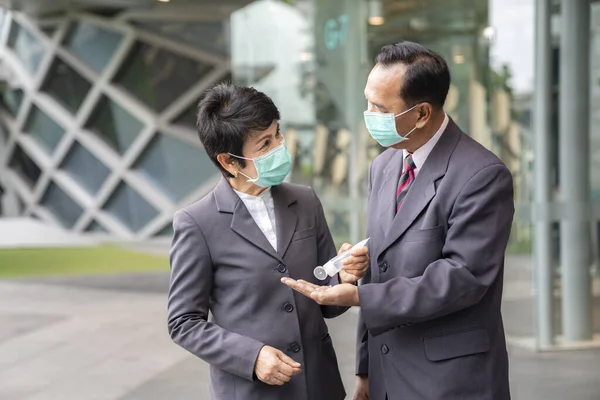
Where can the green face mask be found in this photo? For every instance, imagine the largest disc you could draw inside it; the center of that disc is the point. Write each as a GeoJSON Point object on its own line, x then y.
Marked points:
{"type": "Point", "coordinates": [272, 167]}
{"type": "Point", "coordinates": [382, 127]}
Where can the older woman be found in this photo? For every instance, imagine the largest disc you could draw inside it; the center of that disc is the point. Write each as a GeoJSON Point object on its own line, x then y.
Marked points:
{"type": "Point", "coordinates": [232, 248]}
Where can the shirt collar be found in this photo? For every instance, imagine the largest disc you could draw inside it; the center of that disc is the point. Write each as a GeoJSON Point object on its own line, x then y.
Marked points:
{"type": "Point", "coordinates": [265, 195]}
{"type": "Point", "coordinates": [421, 154]}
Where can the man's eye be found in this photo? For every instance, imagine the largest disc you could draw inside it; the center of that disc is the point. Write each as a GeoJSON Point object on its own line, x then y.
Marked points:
{"type": "Point", "coordinates": [266, 144]}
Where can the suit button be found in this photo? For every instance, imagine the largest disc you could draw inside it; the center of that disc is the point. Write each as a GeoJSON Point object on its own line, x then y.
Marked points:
{"type": "Point", "coordinates": [281, 268]}
{"type": "Point", "coordinates": [385, 349]}
{"type": "Point", "coordinates": [288, 307]}
{"type": "Point", "coordinates": [294, 347]}
{"type": "Point", "coordinates": [384, 267]}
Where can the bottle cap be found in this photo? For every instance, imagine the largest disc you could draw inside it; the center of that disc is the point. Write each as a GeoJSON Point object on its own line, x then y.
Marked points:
{"type": "Point", "coordinates": [320, 273]}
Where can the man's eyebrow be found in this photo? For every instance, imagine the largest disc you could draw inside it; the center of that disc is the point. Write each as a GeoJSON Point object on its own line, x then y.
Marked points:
{"type": "Point", "coordinates": [375, 104]}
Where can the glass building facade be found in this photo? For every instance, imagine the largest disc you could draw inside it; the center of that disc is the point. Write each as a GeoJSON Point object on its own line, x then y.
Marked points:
{"type": "Point", "coordinates": [97, 110]}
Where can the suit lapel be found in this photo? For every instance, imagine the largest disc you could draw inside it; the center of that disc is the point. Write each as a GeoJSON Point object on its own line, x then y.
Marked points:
{"type": "Point", "coordinates": [242, 222]}
{"type": "Point", "coordinates": [285, 216]}
{"type": "Point", "coordinates": [424, 187]}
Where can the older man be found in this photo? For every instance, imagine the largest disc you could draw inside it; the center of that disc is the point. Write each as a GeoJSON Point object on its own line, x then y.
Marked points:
{"type": "Point", "coordinates": [439, 217]}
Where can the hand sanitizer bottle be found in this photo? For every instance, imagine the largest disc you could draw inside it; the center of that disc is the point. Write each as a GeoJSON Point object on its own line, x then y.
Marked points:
{"type": "Point", "coordinates": [334, 265]}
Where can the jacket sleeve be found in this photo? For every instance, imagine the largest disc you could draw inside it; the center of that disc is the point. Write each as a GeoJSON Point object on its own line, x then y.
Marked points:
{"type": "Point", "coordinates": [326, 251]}
{"type": "Point", "coordinates": [478, 231]}
{"type": "Point", "coordinates": [188, 305]}
{"type": "Point", "coordinates": [362, 334]}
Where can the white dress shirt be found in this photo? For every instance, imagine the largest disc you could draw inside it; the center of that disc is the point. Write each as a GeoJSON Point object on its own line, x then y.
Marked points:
{"type": "Point", "coordinates": [421, 154]}
{"type": "Point", "coordinates": [262, 210]}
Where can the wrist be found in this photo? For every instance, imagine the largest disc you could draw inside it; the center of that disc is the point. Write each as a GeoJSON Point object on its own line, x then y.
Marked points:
{"type": "Point", "coordinates": [356, 297]}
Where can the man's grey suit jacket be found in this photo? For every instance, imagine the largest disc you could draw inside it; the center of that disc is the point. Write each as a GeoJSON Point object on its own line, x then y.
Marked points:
{"type": "Point", "coordinates": [221, 262]}
{"type": "Point", "coordinates": [430, 325]}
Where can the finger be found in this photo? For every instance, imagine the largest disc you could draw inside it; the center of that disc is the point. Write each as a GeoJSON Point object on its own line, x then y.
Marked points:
{"type": "Point", "coordinates": [285, 369]}
{"type": "Point", "coordinates": [355, 275]}
{"type": "Point", "coordinates": [282, 377]}
{"type": "Point", "coordinates": [288, 281]}
{"type": "Point", "coordinates": [322, 297]}
{"type": "Point", "coordinates": [356, 261]}
{"type": "Point", "coordinates": [361, 251]}
{"type": "Point", "coordinates": [356, 257]}
{"type": "Point", "coordinates": [298, 284]}
{"type": "Point", "coordinates": [288, 360]}
{"type": "Point", "coordinates": [301, 286]}
{"type": "Point", "coordinates": [308, 284]}
{"type": "Point", "coordinates": [344, 247]}
{"type": "Point", "coordinates": [292, 284]}
{"type": "Point", "coordinates": [274, 381]}
{"type": "Point", "coordinates": [296, 371]}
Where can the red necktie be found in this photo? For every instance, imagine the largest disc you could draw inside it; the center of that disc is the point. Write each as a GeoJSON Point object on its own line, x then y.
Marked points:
{"type": "Point", "coordinates": [406, 180]}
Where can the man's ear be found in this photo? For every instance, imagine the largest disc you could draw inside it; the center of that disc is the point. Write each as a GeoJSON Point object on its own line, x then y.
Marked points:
{"type": "Point", "coordinates": [229, 163]}
{"type": "Point", "coordinates": [425, 110]}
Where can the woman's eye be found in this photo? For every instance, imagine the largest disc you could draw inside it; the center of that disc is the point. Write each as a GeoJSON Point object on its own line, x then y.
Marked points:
{"type": "Point", "coordinates": [266, 144]}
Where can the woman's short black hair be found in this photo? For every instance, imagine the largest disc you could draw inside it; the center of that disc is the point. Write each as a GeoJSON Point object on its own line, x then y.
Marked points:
{"type": "Point", "coordinates": [427, 78]}
{"type": "Point", "coordinates": [228, 114]}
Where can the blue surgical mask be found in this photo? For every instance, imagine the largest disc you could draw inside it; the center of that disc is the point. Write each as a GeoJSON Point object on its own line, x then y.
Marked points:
{"type": "Point", "coordinates": [382, 127]}
{"type": "Point", "coordinates": [272, 167]}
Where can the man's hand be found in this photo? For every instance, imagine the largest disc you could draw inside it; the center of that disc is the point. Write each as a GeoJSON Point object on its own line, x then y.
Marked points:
{"type": "Point", "coordinates": [361, 390]}
{"type": "Point", "coordinates": [356, 266]}
{"type": "Point", "coordinates": [275, 368]}
{"type": "Point", "coordinates": [344, 294]}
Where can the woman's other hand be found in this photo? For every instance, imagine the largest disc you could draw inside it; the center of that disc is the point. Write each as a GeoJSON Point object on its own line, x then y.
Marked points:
{"type": "Point", "coordinates": [361, 391]}
{"type": "Point", "coordinates": [275, 368]}
{"type": "Point", "coordinates": [356, 266]}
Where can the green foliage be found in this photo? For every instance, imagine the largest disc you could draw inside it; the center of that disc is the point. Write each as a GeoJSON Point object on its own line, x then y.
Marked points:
{"type": "Point", "coordinates": [74, 261]}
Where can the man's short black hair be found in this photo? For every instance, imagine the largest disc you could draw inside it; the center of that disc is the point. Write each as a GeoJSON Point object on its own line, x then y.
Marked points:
{"type": "Point", "coordinates": [228, 114]}
{"type": "Point", "coordinates": [427, 78]}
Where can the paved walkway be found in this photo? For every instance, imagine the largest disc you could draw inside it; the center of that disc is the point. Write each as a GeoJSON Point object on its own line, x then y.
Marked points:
{"type": "Point", "coordinates": [104, 338]}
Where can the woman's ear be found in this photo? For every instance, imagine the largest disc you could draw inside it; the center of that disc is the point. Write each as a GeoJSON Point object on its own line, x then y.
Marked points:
{"type": "Point", "coordinates": [228, 163]}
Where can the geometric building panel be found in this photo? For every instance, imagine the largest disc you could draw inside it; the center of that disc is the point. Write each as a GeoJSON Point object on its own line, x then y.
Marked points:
{"type": "Point", "coordinates": [26, 47]}
{"type": "Point", "coordinates": [66, 85]}
{"type": "Point", "coordinates": [188, 117]}
{"type": "Point", "coordinates": [130, 208]}
{"type": "Point", "coordinates": [167, 231]}
{"type": "Point", "coordinates": [95, 227]}
{"type": "Point", "coordinates": [91, 44]}
{"type": "Point", "coordinates": [49, 30]}
{"type": "Point", "coordinates": [65, 209]}
{"type": "Point", "coordinates": [85, 169]}
{"type": "Point", "coordinates": [209, 35]}
{"type": "Point", "coordinates": [43, 129]}
{"type": "Point", "coordinates": [25, 167]}
{"type": "Point", "coordinates": [11, 100]}
{"type": "Point", "coordinates": [114, 125]}
{"type": "Point", "coordinates": [157, 76]}
{"type": "Point", "coordinates": [174, 166]}
{"type": "Point", "coordinates": [4, 133]}
{"type": "Point", "coordinates": [146, 170]}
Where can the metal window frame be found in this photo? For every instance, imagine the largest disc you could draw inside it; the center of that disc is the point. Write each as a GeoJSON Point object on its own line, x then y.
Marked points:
{"type": "Point", "coordinates": [120, 165]}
